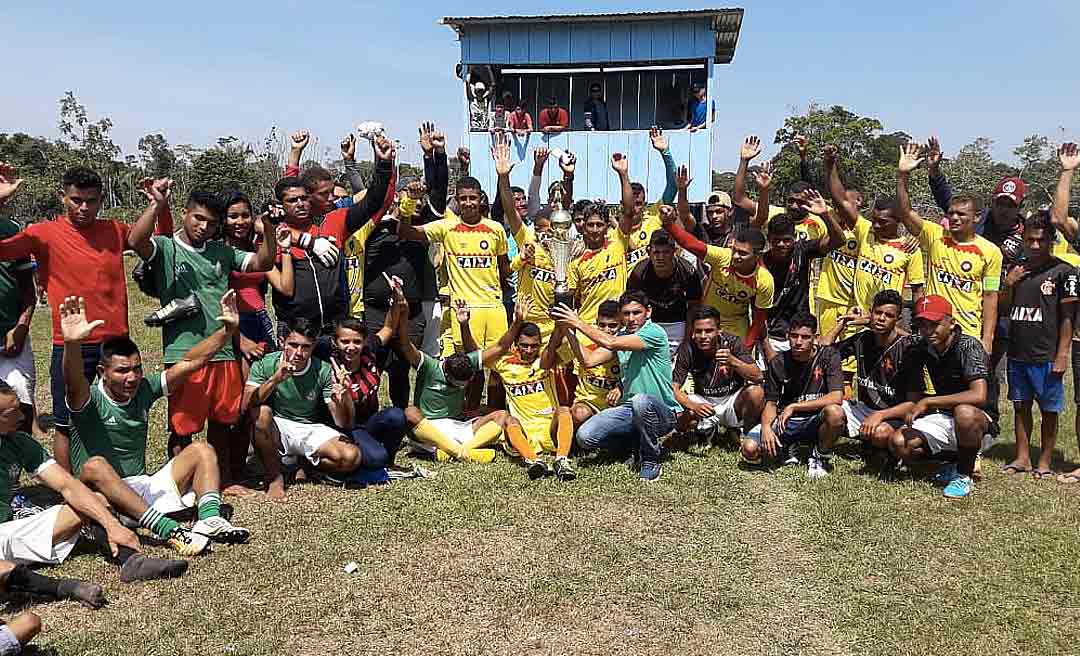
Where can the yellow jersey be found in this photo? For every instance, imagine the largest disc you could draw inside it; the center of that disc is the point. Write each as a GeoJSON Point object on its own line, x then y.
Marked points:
{"type": "Point", "coordinates": [637, 240]}
{"type": "Point", "coordinates": [471, 256]}
{"type": "Point", "coordinates": [837, 281]}
{"type": "Point", "coordinates": [537, 279]}
{"type": "Point", "coordinates": [810, 227]}
{"type": "Point", "coordinates": [352, 255]}
{"type": "Point", "coordinates": [594, 383]}
{"type": "Point", "coordinates": [598, 276]}
{"type": "Point", "coordinates": [530, 394]}
{"type": "Point", "coordinates": [732, 294]}
{"type": "Point", "coordinates": [890, 264]}
{"type": "Point", "coordinates": [961, 273]}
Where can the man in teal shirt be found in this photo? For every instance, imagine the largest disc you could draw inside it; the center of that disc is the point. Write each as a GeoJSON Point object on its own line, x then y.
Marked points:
{"type": "Point", "coordinates": [649, 406]}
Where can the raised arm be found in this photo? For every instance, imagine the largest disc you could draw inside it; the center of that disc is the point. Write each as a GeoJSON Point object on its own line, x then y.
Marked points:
{"type": "Point", "coordinates": [681, 236]}
{"type": "Point", "coordinates": [549, 359]}
{"type": "Point", "coordinates": [660, 144]}
{"type": "Point", "coordinates": [352, 168]}
{"type": "Point", "coordinates": [9, 182]}
{"type": "Point", "coordinates": [763, 178]}
{"type": "Point", "coordinates": [406, 348]}
{"type": "Point", "coordinates": [376, 199]}
{"type": "Point", "coordinates": [802, 145]}
{"type": "Point", "coordinates": [751, 148]}
{"type": "Point", "coordinates": [504, 164]}
{"type": "Point", "coordinates": [682, 182]}
{"type": "Point", "coordinates": [1069, 156]}
{"type": "Point", "coordinates": [909, 161]}
{"type": "Point", "coordinates": [540, 156]}
{"type": "Point", "coordinates": [849, 214]}
{"type": "Point", "coordinates": [506, 342]}
{"type": "Point", "coordinates": [591, 359]}
{"type": "Point", "coordinates": [939, 184]}
{"type": "Point", "coordinates": [621, 166]}
{"type": "Point", "coordinates": [76, 330]}
{"type": "Point", "coordinates": [138, 239]}
{"type": "Point", "coordinates": [571, 321]}
{"type": "Point", "coordinates": [298, 141]}
{"type": "Point", "coordinates": [200, 354]}
{"type": "Point", "coordinates": [834, 233]}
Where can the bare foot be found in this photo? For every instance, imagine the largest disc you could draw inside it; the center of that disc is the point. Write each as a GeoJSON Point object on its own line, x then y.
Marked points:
{"type": "Point", "coordinates": [1016, 467]}
{"type": "Point", "coordinates": [1070, 478]}
{"type": "Point", "coordinates": [276, 491]}
{"type": "Point", "coordinates": [238, 490]}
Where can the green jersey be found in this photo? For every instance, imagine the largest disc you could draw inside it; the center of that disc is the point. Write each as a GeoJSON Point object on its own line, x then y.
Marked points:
{"type": "Point", "coordinates": [10, 296]}
{"type": "Point", "coordinates": [115, 431]}
{"type": "Point", "coordinates": [181, 270]}
{"type": "Point", "coordinates": [302, 397]}
{"type": "Point", "coordinates": [436, 397]}
{"type": "Point", "coordinates": [18, 451]}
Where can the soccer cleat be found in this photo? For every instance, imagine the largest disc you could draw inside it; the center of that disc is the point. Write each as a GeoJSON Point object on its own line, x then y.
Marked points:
{"type": "Point", "coordinates": [651, 471]}
{"type": "Point", "coordinates": [946, 474]}
{"type": "Point", "coordinates": [218, 529]}
{"type": "Point", "coordinates": [959, 487]}
{"type": "Point", "coordinates": [143, 568]}
{"type": "Point", "coordinates": [186, 543]}
{"type": "Point", "coordinates": [817, 467]}
{"type": "Point", "coordinates": [537, 469]}
{"type": "Point", "coordinates": [175, 310]}
{"type": "Point", "coordinates": [564, 471]}
{"type": "Point", "coordinates": [791, 454]}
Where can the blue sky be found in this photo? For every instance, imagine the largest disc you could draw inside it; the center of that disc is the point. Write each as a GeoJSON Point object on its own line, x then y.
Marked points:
{"type": "Point", "coordinates": [200, 70]}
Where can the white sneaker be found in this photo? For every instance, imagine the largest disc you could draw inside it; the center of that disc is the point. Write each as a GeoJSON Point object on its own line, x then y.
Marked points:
{"type": "Point", "coordinates": [218, 529]}
{"type": "Point", "coordinates": [816, 468]}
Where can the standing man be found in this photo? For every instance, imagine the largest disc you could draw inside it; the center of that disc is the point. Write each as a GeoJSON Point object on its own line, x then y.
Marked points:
{"type": "Point", "coordinates": [638, 220]}
{"type": "Point", "coordinates": [78, 254]}
{"type": "Point", "coordinates": [17, 302]}
{"type": "Point", "coordinates": [836, 284]}
{"type": "Point", "coordinates": [598, 274]}
{"type": "Point", "coordinates": [1040, 300]}
{"type": "Point", "coordinates": [648, 405]}
{"type": "Point", "coordinates": [596, 111]}
{"type": "Point", "coordinates": [954, 420]}
{"type": "Point", "coordinates": [553, 119]}
{"type": "Point", "coordinates": [672, 285]}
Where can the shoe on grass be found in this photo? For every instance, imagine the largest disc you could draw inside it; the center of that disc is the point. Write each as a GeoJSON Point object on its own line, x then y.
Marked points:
{"type": "Point", "coordinates": [651, 471]}
{"type": "Point", "coordinates": [186, 543]}
{"type": "Point", "coordinates": [817, 467]}
{"type": "Point", "coordinates": [536, 469]}
{"type": "Point", "coordinates": [791, 454]}
{"type": "Point", "coordinates": [564, 471]}
{"type": "Point", "coordinates": [946, 474]}
{"type": "Point", "coordinates": [219, 529]}
{"type": "Point", "coordinates": [960, 487]}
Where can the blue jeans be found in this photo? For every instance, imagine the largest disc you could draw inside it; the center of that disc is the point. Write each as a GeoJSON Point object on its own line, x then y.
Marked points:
{"type": "Point", "coordinates": [380, 438]}
{"type": "Point", "coordinates": [640, 423]}
{"type": "Point", "coordinates": [91, 355]}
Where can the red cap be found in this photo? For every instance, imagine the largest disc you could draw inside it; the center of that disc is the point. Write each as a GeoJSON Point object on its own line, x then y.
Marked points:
{"type": "Point", "coordinates": [1013, 188]}
{"type": "Point", "coordinates": [933, 308]}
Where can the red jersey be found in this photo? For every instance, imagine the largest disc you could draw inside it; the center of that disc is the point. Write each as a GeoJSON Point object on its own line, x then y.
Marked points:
{"type": "Point", "coordinates": [86, 262]}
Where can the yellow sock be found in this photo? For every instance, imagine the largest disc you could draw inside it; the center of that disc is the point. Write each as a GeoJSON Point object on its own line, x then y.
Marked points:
{"type": "Point", "coordinates": [487, 434]}
{"type": "Point", "coordinates": [564, 435]}
{"type": "Point", "coordinates": [520, 442]}
{"type": "Point", "coordinates": [426, 432]}
{"type": "Point", "coordinates": [472, 455]}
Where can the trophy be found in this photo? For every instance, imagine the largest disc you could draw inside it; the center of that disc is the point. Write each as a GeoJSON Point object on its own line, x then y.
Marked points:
{"type": "Point", "coordinates": [561, 246]}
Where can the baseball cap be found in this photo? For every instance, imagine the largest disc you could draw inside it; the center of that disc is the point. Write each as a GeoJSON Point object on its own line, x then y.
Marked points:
{"type": "Point", "coordinates": [718, 197]}
{"type": "Point", "coordinates": [1013, 188]}
{"type": "Point", "coordinates": [933, 308]}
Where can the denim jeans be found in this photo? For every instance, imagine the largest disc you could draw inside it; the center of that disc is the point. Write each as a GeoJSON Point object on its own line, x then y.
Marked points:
{"type": "Point", "coordinates": [91, 355]}
{"type": "Point", "coordinates": [380, 438]}
{"type": "Point", "coordinates": [640, 423]}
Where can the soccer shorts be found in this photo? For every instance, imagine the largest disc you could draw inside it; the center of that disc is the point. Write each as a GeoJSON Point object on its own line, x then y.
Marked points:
{"type": "Point", "coordinates": [1036, 382]}
{"type": "Point", "coordinates": [537, 431]}
{"type": "Point", "coordinates": [486, 324]}
{"type": "Point", "coordinates": [299, 439]}
{"type": "Point", "coordinates": [939, 430]}
{"type": "Point", "coordinates": [799, 428]}
{"type": "Point", "coordinates": [723, 412]}
{"type": "Point", "coordinates": [856, 413]}
{"type": "Point", "coordinates": [159, 491]}
{"type": "Point", "coordinates": [212, 393]}
{"type": "Point", "coordinates": [19, 373]}
{"type": "Point", "coordinates": [30, 540]}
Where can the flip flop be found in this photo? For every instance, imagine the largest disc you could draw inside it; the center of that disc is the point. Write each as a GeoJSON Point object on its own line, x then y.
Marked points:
{"type": "Point", "coordinates": [1042, 474]}
{"type": "Point", "coordinates": [1013, 470]}
{"type": "Point", "coordinates": [1068, 479]}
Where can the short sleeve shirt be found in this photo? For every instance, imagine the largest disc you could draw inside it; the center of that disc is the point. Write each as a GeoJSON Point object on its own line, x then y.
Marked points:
{"type": "Point", "coordinates": [183, 270]}
{"type": "Point", "coordinates": [886, 264]}
{"type": "Point", "coordinates": [637, 240]}
{"type": "Point", "coordinates": [435, 396]}
{"type": "Point", "coordinates": [471, 254]}
{"type": "Point", "coordinates": [670, 297]}
{"type": "Point", "coordinates": [536, 280]}
{"type": "Point", "coordinates": [302, 397]}
{"type": "Point", "coordinates": [115, 431]}
{"type": "Point", "coordinates": [953, 371]}
{"type": "Point", "coordinates": [837, 281]}
{"type": "Point", "coordinates": [649, 371]}
{"type": "Point", "coordinates": [1039, 301]}
{"type": "Point", "coordinates": [789, 381]}
{"type": "Point", "coordinates": [18, 452]}
{"type": "Point", "coordinates": [961, 273]}
{"type": "Point", "coordinates": [732, 294]}
{"type": "Point", "coordinates": [883, 377]}
{"type": "Point", "coordinates": [711, 379]}
{"type": "Point", "coordinates": [530, 389]}
{"type": "Point", "coordinates": [598, 276]}
{"type": "Point", "coordinates": [10, 288]}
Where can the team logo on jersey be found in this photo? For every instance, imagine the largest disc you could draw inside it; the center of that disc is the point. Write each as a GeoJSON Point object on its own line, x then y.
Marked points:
{"type": "Point", "coordinates": [483, 245]}
{"type": "Point", "coordinates": [1009, 187]}
{"type": "Point", "coordinates": [642, 235]}
{"type": "Point", "coordinates": [474, 261]}
{"type": "Point", "coordinates": [111, 421]}
{"type": "Point", "coordinates": [843, 259]}
{"type": "Point", "coordinates": [946, 278]}
{"type": "Point", "coordinates": [311, 395]}
{"type": "Point", "coordinates": [525, 389]}
{"type": "Point", "coordinates": [887, 366]}
{"type": "Point", "coordinates": [607, 275]}
{"type": "Point", "coordinates": [1032, 314]}
{"type": "Point", "coordinates": [818, 373]}
{"type": "Point", "coordinates": [886, 276]}
{"type": "Point", "coordinates": [1047, 287]}
{"type": "Point", "coordinates": [633, 257]}
{"type": "Point", "coordinates": [542, 275]}
{"type": "Point", "coordinates": [966, 267]}
{"type": "Point", "coordinates": [851, 244]}
{"type": "Point", "coordinates": [743, 295]}
{"type": "Point", "coordinates": [601, 383]}
{"type": "Point", "coordinates": [889, 259]}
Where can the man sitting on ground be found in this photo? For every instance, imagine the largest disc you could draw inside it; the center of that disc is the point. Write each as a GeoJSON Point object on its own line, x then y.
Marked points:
{"type": "Point", "coordinates": [804, 388]}
{"type": "Point", "coordinates": [598, 387]}
{"type": "Point", "coordinates": [727, 381]}
{"type": "Point", "coordinates": [649, 406]}
{"type": "Point", "coordinates": [955, 419]}
{"type": "Point", "coordinates": [110, 423]}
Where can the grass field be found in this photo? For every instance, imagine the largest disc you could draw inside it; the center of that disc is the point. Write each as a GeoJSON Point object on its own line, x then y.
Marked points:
{"type": "Point", "coordinates": [710, 560]}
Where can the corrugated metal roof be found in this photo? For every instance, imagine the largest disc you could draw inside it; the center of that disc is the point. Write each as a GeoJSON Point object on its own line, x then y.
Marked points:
{"type": "Point", "coordinates": [726, 23]}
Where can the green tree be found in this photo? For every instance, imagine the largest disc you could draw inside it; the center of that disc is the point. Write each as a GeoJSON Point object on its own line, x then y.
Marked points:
{"type": "Point", "coordinates": [158, 159]}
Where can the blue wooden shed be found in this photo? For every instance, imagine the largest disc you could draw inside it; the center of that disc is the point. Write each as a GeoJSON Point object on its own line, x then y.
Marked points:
{"type": "Point", "coordinates": [645, 63]}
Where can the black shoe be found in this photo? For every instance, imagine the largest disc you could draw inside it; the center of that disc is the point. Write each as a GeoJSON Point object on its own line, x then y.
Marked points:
{"type": "Point", "coordinates": [537, 469]}
{"type": "Point", "coordinates": [143, 568]}
{"type": "Point", "coordinates": [564, 471]}
{"type": "Point", "coordinates": [177, 309]}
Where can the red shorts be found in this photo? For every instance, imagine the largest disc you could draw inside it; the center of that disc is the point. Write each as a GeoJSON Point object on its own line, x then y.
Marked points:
{"type": "Point", "coordinates": [212, 393]}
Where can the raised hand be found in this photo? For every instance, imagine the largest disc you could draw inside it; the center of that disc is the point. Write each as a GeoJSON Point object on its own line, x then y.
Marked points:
{"type": "Point", "coordinates": [813, 202]}
{"type": "Point", "coordinates": [340, 372]}
{"type": "Point", "coordinates": [1015, 275]}
{"type": "Point", "coordinates": [300, 139]}
{"type": "Point", "coordinates": [1069, 156]}
{"type": "Point", "coordinates": [568, 162]}
{"type": "Point", "coordinates": [667, 215]}
{"type": "Point", "coordinates": [384, 148]}
{"type": "Point", "coordinates": [682, 177]}
{"type": "Point", "coordinates": [933, 152]}
{"type": "Point", "coordinates": [73, 324]}
{"type": "Point", "coordinates": [522, 308]}
{"type": "Point", "coordinates": [910, 158]}
{"type": "Point", "coordinates": [751, 148]}
{"type": "Point", "coordinates": [348, 147]}
{"type": "Point", "coordinates": [461, 311]}
{"type": "Point", "coordinates": [416, 189]}
{"type": "Point", "coordinates": [658, 138]}
{"type": "Point", "coordinates": [464, 157]}
{"type": "Point", "coordinates": [230, 316]}
{"type": "Point", "coordinates": [427, 128]}
{"type": "Point", "coordinates": [763, 176]}
{"type": "Point", "coordinates": [540, 155]}
{"type": "Point", "coordinates": [620, 164]}
{"type": "Point", "coordinates": [528, 253]}
{"type": "Point", "coordinates": [438, 139]}
{"type": "Point", "coordinates": [500, 152]}
{"type": "Point", "coordinates": [830, 154]}
{"type": "Point", "coordinates": [283, 236]}
{"type": "Point", "coordinates": [801, 143]}
{"type": "Point", "coordinates": [9, 182]}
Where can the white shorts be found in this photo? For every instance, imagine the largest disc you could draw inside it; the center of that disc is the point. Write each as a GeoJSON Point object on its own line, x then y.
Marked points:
{"type": "Point", "coordinates": [19, 373]}
{"type": "Point", "coordinates": [856, 413]}
{"type": "Point", "coordinates": [456, 429]}
{"type": "Point", "coordinates": [939, 431]}
{"type": "Point", "coordinates": [675, 334]}
{"type": "Point", "coordinates": [299, 439]}
{"type": "Point", "coordinates": [31, 539]}
{"type": "Point", "coordinates": [723, 409]}
{"type": "Point", "coordinates": [9, 644]}
{"type": "Point", "coordinates": [160, 491]}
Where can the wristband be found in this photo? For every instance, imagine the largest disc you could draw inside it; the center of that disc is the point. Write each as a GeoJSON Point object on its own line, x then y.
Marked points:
{"type": "Point", "coordinates": [306, 241]}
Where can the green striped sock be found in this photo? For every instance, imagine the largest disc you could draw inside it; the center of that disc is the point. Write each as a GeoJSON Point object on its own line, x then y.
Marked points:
{"type": "Point", "coordinates": [158, 524]}
{"type": "Point", "coordinates": [210, 505]}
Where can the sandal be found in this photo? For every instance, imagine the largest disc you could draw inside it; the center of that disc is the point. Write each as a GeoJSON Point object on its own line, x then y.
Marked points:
{"type": "Point", "coordinates": [1042, 474]}
{"type": "Point", "coordinates": [1071, 478]}
{"type": "Point", "coordinates": [1012, 470]}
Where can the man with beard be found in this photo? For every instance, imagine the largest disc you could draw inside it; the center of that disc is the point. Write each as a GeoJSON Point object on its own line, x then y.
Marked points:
{"type": "Point", "coordinates": [807, 225]}
{"type": "Point", "coordinates": [673, 286]}
{"type": "Point", "coordinates": [727, 381]}
{"type": "Point", "coordinates": [883, 380]}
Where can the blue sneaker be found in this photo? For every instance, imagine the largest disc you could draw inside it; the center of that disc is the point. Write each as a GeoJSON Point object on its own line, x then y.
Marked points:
{"type": "Point", "coordinates": [946, 474]}
{"type": "Point", "coordinates": [651, 471]}
{"type": "Point", "coordinates": [959, 488]}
